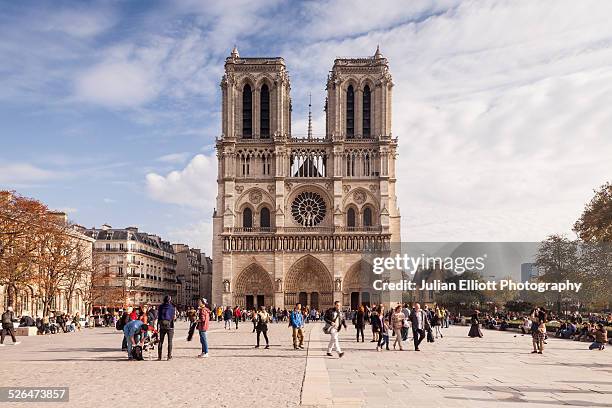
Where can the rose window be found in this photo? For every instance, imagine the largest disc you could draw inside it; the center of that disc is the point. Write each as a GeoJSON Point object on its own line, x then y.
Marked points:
{"type": "Point", "coordinates": [308, 209]}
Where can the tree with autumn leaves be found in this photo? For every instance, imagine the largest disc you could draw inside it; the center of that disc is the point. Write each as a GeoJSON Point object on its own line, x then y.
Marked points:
{"type": "Point", "coordinates": [41, 249]}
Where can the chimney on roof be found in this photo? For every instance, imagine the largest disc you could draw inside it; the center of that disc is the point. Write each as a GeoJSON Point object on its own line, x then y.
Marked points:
{"type": "Point", "coordinates": [106, 227]}
{"type": "Point", "coordinates": [59, 216]}
{"type": "Point", "coordinates": [132, 229]}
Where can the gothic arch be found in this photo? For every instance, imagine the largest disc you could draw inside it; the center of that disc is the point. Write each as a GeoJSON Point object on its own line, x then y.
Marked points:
{"type": "Point", "coordinates": [347, 209]}
{"type": "Point", "coordinates": [253, 281]}
{"type": "Point", "coordinates": [247, 93]}
{"type": "Point", "coordinates": [370, 199]}
{"type": "Point", "coordinates": [308, 278]}
{"type": "Point", "coordinates": [348, 81]}
{"type": "Point", "coordinates": [366, 81]}
{"type": "Point", "coordinates": [244, 198]}
{"type": "Point", "coordinates": [358, 287]}
{"type": "Point", "coordinates": [368, 219]}
{"type": "Point", "coordinates": [264, 80]}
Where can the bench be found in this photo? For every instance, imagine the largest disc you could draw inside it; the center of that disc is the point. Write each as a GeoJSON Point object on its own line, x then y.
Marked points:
{"type": "Point", "coordinates": [26, 331]}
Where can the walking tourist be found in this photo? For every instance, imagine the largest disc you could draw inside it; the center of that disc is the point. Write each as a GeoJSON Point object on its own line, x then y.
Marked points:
{"type": "Point", "coordinates": [420, 323]}
{"type": "Point", "coordinates": [296, 321]}
{"type": "Point", "coordinates": [8, 317]}
{"type": "Point", "coordinates": [227, 317]}
{"type": "Point", "coordinates": [475, 325]}
{"type": "Point", "coordinates": [237, 316]}
{"type": "Point", "coordinates": [376, 321]}
{"type": "Point", "coordinates": [438, 317]}
{"type": "Point", "coordinates": [202, 323]}
{"type": "Point", "coordinates": [359, 322]}
{"type": "Point", "coordinates": [376, 318]}
{"type": "Point", "coordinates": [398, 324]}
{"type": "Point", "coordinates": [166, 316]}
{"type": "Point", "coordinates": [406, 313]}
{"type": "Point", "coordinates": [385, 335]}
{"type": "Point", "coordinates": [538, 330]}
{"type": "Point", "coordinates": [263, 318]}
{"type": "Point", "coordinates": [334, 321]}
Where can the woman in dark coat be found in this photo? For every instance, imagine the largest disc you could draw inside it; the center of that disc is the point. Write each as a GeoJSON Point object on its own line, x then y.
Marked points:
{"type": "Point", "coordinates": [475, 328]}
{"type": "Point", "coordinates": [360, 322]}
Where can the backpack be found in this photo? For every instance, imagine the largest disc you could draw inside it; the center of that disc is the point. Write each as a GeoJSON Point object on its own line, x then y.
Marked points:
{"type": "Point", "coordinates": [7, 318]}
{"type": "Point", "coordinates": [120, 323]}
{"type": "Point", "coordinates": [137, 353]}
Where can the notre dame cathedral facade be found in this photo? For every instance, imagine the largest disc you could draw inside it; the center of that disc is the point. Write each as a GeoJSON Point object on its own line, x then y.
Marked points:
{"type": "Point", "coordinates": [294, 215]}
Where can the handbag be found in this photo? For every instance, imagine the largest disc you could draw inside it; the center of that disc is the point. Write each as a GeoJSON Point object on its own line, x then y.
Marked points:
{"type": "Point", "coordinates": [327, 328]}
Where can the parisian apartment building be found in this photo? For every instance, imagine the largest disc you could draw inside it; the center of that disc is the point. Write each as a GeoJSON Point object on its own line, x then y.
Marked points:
{"type": "Point", "coordinates": [194, 275]}
{"type": "Point", "coordinates": [140, 268]}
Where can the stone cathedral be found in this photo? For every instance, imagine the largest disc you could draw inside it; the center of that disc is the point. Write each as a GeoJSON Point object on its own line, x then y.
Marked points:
{"type": "Point", "coordinates": [295, 214]}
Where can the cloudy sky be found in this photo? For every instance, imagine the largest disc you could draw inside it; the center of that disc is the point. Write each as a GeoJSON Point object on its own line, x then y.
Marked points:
{"type": "Point", "coordinates": [503, 109]}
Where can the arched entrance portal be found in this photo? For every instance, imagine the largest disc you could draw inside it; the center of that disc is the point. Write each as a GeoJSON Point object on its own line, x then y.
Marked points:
{"type": "Point", "coordinates": [358, 286]}
{"type": "Point", "coordinates": [310, 283]}
{"type": "Point", "coordinates": [254, 288]}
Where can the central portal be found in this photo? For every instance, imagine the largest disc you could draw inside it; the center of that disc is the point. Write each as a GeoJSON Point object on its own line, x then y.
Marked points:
{"type": "Point", "coordinates": [310, 283]}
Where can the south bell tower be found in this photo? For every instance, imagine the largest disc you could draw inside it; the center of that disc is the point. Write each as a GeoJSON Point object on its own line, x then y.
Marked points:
{"type": "Point", "coordinates": [294, 214]}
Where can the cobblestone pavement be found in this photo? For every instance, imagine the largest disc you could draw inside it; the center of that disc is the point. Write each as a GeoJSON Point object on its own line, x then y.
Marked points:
{"type": "Point", "coordinates": [457, 371]}
{"type": "Point", "coordinates": [99, 375]}
{"type": "Point", "coordinates": [497, 370]}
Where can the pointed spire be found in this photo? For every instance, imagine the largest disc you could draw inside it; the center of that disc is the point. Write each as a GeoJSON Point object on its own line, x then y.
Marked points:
{"type": "Point", "coordinates": [309, 116]}
{"type": "Point", "coordinates": [378, 54]}
{"type": "Point", "coordinates": [234, 53]}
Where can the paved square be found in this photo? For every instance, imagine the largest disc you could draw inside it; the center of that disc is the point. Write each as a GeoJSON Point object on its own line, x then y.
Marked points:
{"type": "Point", "coordinates": [497, 370]}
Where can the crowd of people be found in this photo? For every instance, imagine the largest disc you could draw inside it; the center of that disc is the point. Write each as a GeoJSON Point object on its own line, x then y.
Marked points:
{"type": "Point", "coordinates": [149, 328]}
{"type": "Point", "coordinates": [59, 322]}
{"type": "Point", "coordinates": [592, 328]}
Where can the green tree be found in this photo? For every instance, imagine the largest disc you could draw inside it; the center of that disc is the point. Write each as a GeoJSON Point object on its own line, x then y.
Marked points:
{"type": "Point", "coordinates": [558, 261]}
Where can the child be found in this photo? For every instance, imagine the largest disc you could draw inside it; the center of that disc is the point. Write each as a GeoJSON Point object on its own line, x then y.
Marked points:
{"type": "Point", "coordinates": [384, 339]}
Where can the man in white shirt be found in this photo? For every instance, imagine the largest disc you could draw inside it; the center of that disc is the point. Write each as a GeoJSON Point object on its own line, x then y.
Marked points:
{"type": "Point", "coordinates": [335, 321]}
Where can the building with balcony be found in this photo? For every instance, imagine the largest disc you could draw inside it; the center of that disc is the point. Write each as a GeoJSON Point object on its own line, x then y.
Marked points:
{"type": "Point", "coordinates": [141, 267]}
{"type": "Point", "coordinates": [193, 275]}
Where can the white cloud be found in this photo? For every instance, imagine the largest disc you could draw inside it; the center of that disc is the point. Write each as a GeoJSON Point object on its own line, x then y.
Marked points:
{"type": "Point", "coordinates": [117, 84]}
{"type": "Point", "coordinates": [12, 174]}
{"type": "Point", "coordinates": [197, 235]}
{"type": "Point", "coordinates": [174, 158]}
{"type": "Point", "coordinates": [109, 201]}
{"type": "Point", "coordinates": [194, 186]}
{"type": "Point", "coordinates": [80, 23]}
{"type": "Point", "coordinates": [500, 109]}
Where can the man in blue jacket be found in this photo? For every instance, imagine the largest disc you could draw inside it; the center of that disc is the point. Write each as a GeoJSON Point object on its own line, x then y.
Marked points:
{"type": "Point", "coordinates": [296, 321]}
{"type": "Point", "coordinates": [134, 333]}
{"type": "Point", "coordinates": [165, 325]}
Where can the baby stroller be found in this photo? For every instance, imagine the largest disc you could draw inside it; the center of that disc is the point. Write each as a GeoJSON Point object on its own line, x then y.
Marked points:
{"type": "Point", "coordinates": [150, 343]}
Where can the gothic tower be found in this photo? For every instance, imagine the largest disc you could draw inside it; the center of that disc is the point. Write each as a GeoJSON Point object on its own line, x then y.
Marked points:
{"type": "Point", "coordinates": [294, 215]}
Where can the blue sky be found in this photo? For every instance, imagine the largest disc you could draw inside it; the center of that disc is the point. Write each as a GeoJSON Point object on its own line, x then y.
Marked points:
{"type": "Point", "coordinates": [109, 110]}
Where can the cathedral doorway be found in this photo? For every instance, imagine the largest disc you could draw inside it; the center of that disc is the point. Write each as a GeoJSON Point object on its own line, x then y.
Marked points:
{"type": "Point", "coordinates": [254, 288]}
{"type": "Point", "coordinates": [358, 286]}
{"type": "Point", "coordinates": [310, 283]}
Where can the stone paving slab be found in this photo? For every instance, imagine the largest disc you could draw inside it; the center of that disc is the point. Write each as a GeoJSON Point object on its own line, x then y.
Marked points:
{"type": "Point", "coordinates": [98, 374]}
{"type": "Point", "coordinates": [459, 371]}
{"type": "Point", "coordinates": [456, 371]}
